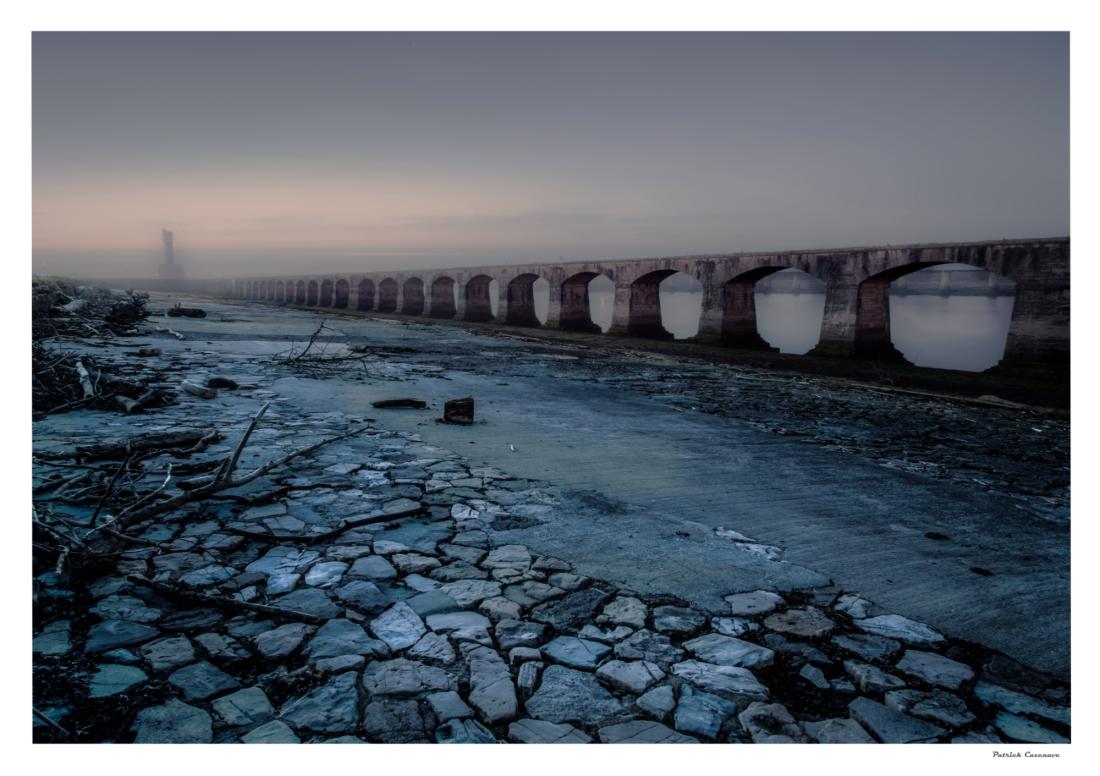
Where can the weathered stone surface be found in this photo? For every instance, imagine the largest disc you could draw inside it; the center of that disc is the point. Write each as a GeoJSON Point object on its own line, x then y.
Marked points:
{"type": "Point", "coordinates": [576, 653]}
{"type": "Point", "coordinates": [871, 680]}
{"type": "Point", "coordinates": [173, 722]}
{"type": "Point", "coordinates": [54, 639]}
{"type": "Point", "coordinates": [609, 636]}
{"type": "Point", "coordinates": [500, 608]}
{"type": "Point", "coordinates": [249, 706]}
{"type": "Point", "coordinates": [208, 575]}
{"type": "Point", "coordinates": [770, 723]}
{"type": "Point", "coordinates": [538, 731]}
{"type": "Point", "coordinates": [223, 648]}
{"type": "Point", "coordinates": [399, 626]}
{"type": "Point", "coordinates": [530, 592]}
{"type": "Point", "coordinates": [723, 680]}
{"type": "Point", "coordinates": [837, 731]}
{"type": "Point", "coordinates": [978, 737]}
{"type": "Point", "coordinates": [528, 676]}
{"type": "Point", "coordinates": [1018, 728]}
{"type": "Point", "coordinates": [340, 663]}
{"type": "Point", "coordinates": [647, 645]}
{"type": "Point", "coordinates": [201, 680]}
{"type": "Point", "coordinates": [372, 567]}
{"type": "Point", "coordinates": [728, 651]}
{"type": "Point", "coordinates": [453, 572]}
{"type": "Point", "coordinates": [420, 583]}
{"type": "Point", "coordinates": [626, 610]}
{"type": "Point", "coordinates": [942, 707]}
{"type": "Point", "coordinates": [491, 690]}
{"type": "Point", "coordinates": [464, 731]}
{"type": "Point", "coordinates": [701, 713]}
{"type": "Point", "coordinates": [283, 639]}
{"type": "Point", "coordinates": [325, 574]}
{"type": "Point", "coordinates": [635, 676]}
{"type": "Point", "coordinates": [432, 602]}
{"type": "Point", "coordinates": [274, 732]}
{"type": "Point", "coordinates": [449, 705]}
{"type": "Point", "coordinates": [660, 701]}
{"type": "Point", "coordinates": [892, 727]}
{"type": "Point", "coordinates": [125, 607]}
{"type": "Point", "coordinates": [468, 592]}
{"type": "Point", "coordinates": [309, 600]}
{"type": "Point", "coordinates": [568, 582]}
{"type": "Point", "coordinates": [677, 619]}
{"type": "Point", "coordinates": [277, 584]}
{"type": "Point", "coordinates": [517, 633]}
{"type": "Point", "coordinates": [567, 695]}
{"type": "Point", "coordinates": [405, 677]}
{"type": "Point", "coordinates": [935, 669]}
{"type": "Point", "coordinates": [508, 556]}
{"type": "Point", "coordinates": [433, 648]}
{"type": "Point", "coordinates": [344, 637]}
{"type": "Point", "coordinates": [414, 563]}
{"type": "Point", "coordinates": [758, 602]}
{"type": "Point", "coordinates": [1019, 703]}
{"type": "Point", "coordinates": [796, 652]}
{"type": "Point", "coordinates": [331, 708]}
{"type": "Point", "coordinates": [642, 731]}
{"type": "Point", "coordinates": [894, 626]}
{"type": "Point", "coordinates": [814, 676]}
{"type": "Point", "coordinates": [808, 623]}
{"type": "Point", "coordinates": [362, 595]}
{"type": "Point", "coordinates": [114, 679]}
{"type": "Point", "coordinates": [168, 654]}
{"type": "Point", "coordinates": [388, 547]}
{"type": "Point", "coordinates": [281, 560]}
{"type": "Point", "coordinates": [117, 633]}
{"type": "Point", "coordinates": [394, 721]}
{"type": "Point", "coordinates": [572, 611]}
{"type": "Point", "coordinates": [867, 646]}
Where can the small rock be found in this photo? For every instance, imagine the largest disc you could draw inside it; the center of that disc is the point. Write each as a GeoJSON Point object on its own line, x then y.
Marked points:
{"type": "Point", "coordinates": [325, 574]}
{"type": "Point", "coordinates": [935, 669]}
{"type": "Point", "coordinates": [500, 608]}
{"type": "Point", "coordinates": [168, 654]}
{"type": "Point", "coordinates": [449, 705]}
{"type": "Point", "coordinates": [537, 731]}
{"type": "Point", "coordinates": [281, 641]}
{"type": "Point", "coordinates": [491, 690]}
{"type": "Point", "coordinates": [626, 610]}
{"type": "Point", "coordinates": [113, 679]}
{"type": "Point", "coordinates": [274, 732]}
{"type": "Point", "coordinates": [837, 731]}
{"type": "Point", "coordinates": [642, 731]}
{"type": "Point", "coordinates": [467, 592]}
{"type": "Point", "coordinates": [892, 727]}
{"type": "Point", "coordinates": [394, 721]}
{"type": "Point", "coordinates": [871, 680]}
{"type": "Point", "coordinates": [363, 596]}
{"type": "Point", "coordinates": [733, 626]}
{"type": "Point", "coordinates": [609, 636]}
{"type": "Point", "coordinates": [634, 677]}
{"type": "Point", "coordinates": [344, 637]}
{"type": "Point", "coordinates": [677, 619]}
{"type": "Point", "coordinates": [516, 633]}
{"type": "Point", "coordinates": [729, 681]}
{"type": "Point", "coordinates": [566, 695]}
{"type": "Point", "coordinates": [201, 680]}
{"type": "Point", "coordinates": [464, 731]}
{"type": "Point", "coordinates": [701, 713]}
{"type": "Point", "coordinates": [571, 611]}
{"type": "Point", "coordinates": [728, 651]}
{"type": "Point", "coordinates": [660, 701]}
{"type": "Point", "coordinates": [1020, 729]}
{"type": "Point", "coordinates": [1019, 703]}
{"type": "Point", "coordinates": [867, 646]}
{"type": "Point", "coordinates": [814, 676]}
{"type": "Point", "coordinates": [576, 653]}
{"type": "Point", "coordinates": [808, 623]}
{"type": "Point", "coordinates": [331, 708]}
{"type": "Point", "coordinates": [399, 626]}
{"type": "Point", "coordinates": [372, 567]}
{"type": "Point", "coordinates": [434, 649]}
{"type": "Point", "coordinates": [647, 645]}
{"type": "Point", "coordinates": [894, 626]}
{"type": "Point", "coordinates": [117, 633]}
{"type": "Point", "coordinates": [249, 706]}
{"type": "Point", "coordinates": [758, 602]}
{"type": "Point", "coordinates": [53, 640]}
{"type": "Point", "coordinates": [528, 676]}
{"type": "Point", "coordinates": [173, 722]}
{"type": "Point", "coordinates": [125, 607]}
{"type": "Point", "coordinates": [309, 600]}
{"type": "Point", "coordinates": [770, 723]}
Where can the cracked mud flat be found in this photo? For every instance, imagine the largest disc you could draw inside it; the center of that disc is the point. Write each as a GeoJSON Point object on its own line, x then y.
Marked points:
{"type": "Point", "coordinates": [577, 576]}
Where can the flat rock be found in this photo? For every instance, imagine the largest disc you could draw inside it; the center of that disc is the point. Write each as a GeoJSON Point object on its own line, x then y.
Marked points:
{"type": "Point", "coordinates": [890, 726]}
{"type": "Point", "coordinates": [283, 582]}
{"type": "Point", "coordinates": [117, 633]}
{"type": "Point", "coordinates": [837, 731]}
{"type": "Point", "coordinates": [642, 731]}
{"type": "Point", "coordinates": [770, 723]}
{"type": "Point", "coordinates": [508, 556]}
{"type": "Point", "coordinates": [609, 636]}
{"type": "Point", "coordinates": [414, 563]}
{"type": "Point", "coordinates": [634, 677]}
{"type": "Point", "coordinates": [173, 722]}
{"type": "Point", "coordinates": [647, 645]}
{"type": "Point", "coordinates": [814, 676]}
{"type": "Point", "coordinates": [571, 611]}
{"type": "Point", "coordinates": [701, 712]}
{"type": "Point", "coordinates": [433, 648]}
{"type": "Point", "coordinates": [394, 721]}
{"type": "Point", "coordinates": [677, 619]}
{"type": "Point", "coordinates": [1019, 703]}
{"type": "Point", "coordinates": [331, 708]}
{"type": "Point", "coordinates": [168, 654]}
{"type": "Point", "coordinates": [871, 679]}
{"type": "Point", "coordinates": [309, 600]}
{"type": "Point", "coordinates": [249, 706]}
{"type": "Point", "coordinates": [626, 610]}
{"type": "Point", "coordinates": [274, 732]}
{"type": "Point", "coordinates": [491, 690]}
{"type": "Point", "coordinates": [362, 595]}
{"type": "Point", "coordinates": [114, 679]}
{"type": "Point", "coordinates": [729, 651]}
{"type": "Point", "coordinates": [372, 567]}
{"type": "Point", "coordinates": [399, 626]}
{"type": "Point", "coordinates": [201, 680]}
{"type": "Point", "coordinates": [453, 572]}
{"type": "Point", "coordinates": [1018, 728]}
{"type": "Point", "coordinates": [125, 607]}
{"type": "Point", "coordinates": [500, 608]}
{"type": "Point", "coordinates": [468, 592]}
{"type": "Point", "coordinates": [54, 639]}
{"type": "Point", "coordinates": [405, 677]}
{"type": "Point", "coordinates": [935, 669]}
{"type": "Point", "coordinates": [757, 602]}
{"type": "Point", "coordinates": [867, 646]}
{"type": "Point", "coordinates": [432, 602]}
{"type": "Point", "coordinates": [576, 653]}
{"type": "Point", "coordinates": [222, 648]}
{"type": "Point", "coordinates": [517, 633]}
{"type": "Point", "coordinates": [942, 707]}
{"type": "Point", "coordinates": [807, 623]}
{"type": "Point", "coordinates": [344, 637]}
{"type": "Point", "coordinates": [325, 574]}
{"type": "Point", "coordinates": [723, 680]}
{"type": "Point", "coordinates": [449, 705]}
{"type": "Point", "coordinates": [464, 731]}
{"type": "Point", "coordinates": [283, 560]}
{"type": "Point", "coordinates": [733, 626]}
{"type": "Point", "coordinates": [283, 639]}
{"type": "Point", "coordinates": [660, 701]}
{"type": "Point", "coordinates": [567, 695]}
{"type": "Point", "coordinates": [539, 731]}
{"type": "Point", "coordinates": [894, 626]}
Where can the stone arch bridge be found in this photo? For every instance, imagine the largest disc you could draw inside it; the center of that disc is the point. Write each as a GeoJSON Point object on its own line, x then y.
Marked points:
{"type": "Point", "coordinates": [857, 286]}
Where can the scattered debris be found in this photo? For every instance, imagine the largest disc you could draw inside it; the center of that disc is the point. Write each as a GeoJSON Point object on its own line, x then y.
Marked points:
{"type": "Point", "coordinates": [185, 312]}
{"type": "Point", "coordinates": [198, 390]}
{"type": "Point", "coordinates": [411, 404]}
{"type": "Point", "coordinates": [459, 411]}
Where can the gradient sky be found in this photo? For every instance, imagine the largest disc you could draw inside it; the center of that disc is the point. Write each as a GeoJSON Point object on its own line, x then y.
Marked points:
{"type": "Point", "coordinates": [264, 151]}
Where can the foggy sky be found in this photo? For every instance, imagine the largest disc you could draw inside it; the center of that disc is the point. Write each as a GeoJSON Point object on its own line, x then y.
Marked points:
{"type": "Point", "coordinates": [267, 151]}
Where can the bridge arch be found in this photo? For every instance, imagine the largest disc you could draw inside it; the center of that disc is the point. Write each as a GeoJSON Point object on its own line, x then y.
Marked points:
{"type": "Point", "coordinates": [280, 291]}
{"type": "Point", "coordinates": [523, 292]}
{"type": "Point", "coordinates": [366, 294]}
{"type": "Point", "coordinates": [311, 293]}
{"type": "Point", "coordinates": [412, 297]}
{"type": "Point", "coordinates": [648, 316]}
{"type": "Point", "coordinates": [300, 292]}
{"type": "Point", "coordinates": [576, 302]}
{"type": "Point", "coordinates": [326, 293]}
{"type": "Point", "coordinates": [443, 297]}
{"type": "Point", "coordinates": [479, 299]}
{"type": "Point", "coordinates": [341, 290]}
{"type": "Point", "coordinates": [789, 325]}
{"type": "Point", "coordinates": [387, 296]}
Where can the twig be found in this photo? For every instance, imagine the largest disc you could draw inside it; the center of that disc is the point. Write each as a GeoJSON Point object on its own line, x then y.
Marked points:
{"type": "Point", "coordinates": [231, 463]}
{"type": "Point", "coordinates": [51, 723]}
{"type": "Point", "coordinates": [347, 525]}
{"type": "Point", "coordinates": [110, 488]}
{"type": "Point", "coordinates": [223, 603]}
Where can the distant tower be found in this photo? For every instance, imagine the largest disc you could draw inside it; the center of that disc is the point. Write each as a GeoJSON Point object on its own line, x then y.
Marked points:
{"type": "Point", "coordinates": [169, 270]}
